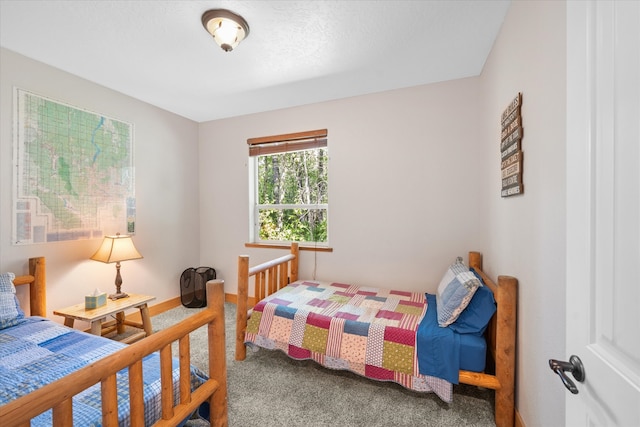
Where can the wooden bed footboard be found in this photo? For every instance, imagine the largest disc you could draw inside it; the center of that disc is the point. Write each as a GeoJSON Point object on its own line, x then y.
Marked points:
{"type": "Point", "coordinates": [501, 332]}
{"type": "Point", "coordinates": [58, 395]}
{"type": "Point", "coordinates": [269, 278]}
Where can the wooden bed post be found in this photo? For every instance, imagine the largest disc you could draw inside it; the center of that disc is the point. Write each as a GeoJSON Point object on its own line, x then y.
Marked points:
{"type": "Point", "coordinates": [37, 288]}
{"type": "Point", "coordinates": [241, 309]}
{"type": "Point", "coordinates": [475, 260]}
{"type": "Point", "coordinates": [505, 357]}
{"type": "Point", "coordinates": [295, 251]}
{"type": "Point", "coordinates": [217, 351]}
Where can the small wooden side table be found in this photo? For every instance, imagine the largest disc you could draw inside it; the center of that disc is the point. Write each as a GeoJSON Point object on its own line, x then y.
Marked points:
{"type": "Point", "coordinates": [97, 316]}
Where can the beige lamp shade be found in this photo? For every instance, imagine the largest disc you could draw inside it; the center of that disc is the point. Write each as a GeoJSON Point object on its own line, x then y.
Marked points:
{"type": "Point", "coordinates": [116, 249]}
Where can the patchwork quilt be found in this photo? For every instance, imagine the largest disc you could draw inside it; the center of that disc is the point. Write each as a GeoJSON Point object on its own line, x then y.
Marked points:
{"type": "Point", "coordinates": [369, 331]}
{"type": "Point", "coordinates": [39, 351]}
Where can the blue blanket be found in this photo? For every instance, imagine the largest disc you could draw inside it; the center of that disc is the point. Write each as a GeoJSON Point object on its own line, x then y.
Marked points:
{"type": "Point", "coordinates": [39, 351]}
{"type": "Point", "coordinates": [438, 348]}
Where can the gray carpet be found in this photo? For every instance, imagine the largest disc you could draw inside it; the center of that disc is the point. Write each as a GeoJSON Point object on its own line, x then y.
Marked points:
{"type": "Point", "coordinates": [270, 389]}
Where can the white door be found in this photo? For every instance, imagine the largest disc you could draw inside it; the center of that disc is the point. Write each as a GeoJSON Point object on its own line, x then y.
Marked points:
{"type": "Point", "coordinates": [603, 211]}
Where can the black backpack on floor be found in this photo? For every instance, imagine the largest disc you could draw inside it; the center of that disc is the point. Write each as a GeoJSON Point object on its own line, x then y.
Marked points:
{"type": "Point", "coordinates": [193, 286]}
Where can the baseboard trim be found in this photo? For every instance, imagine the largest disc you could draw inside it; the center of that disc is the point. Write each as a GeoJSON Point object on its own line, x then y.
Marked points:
{"type": "Point", "coordinates": [155, 309]}
{"type": "Point", "coordinates": [233, 299]}
{"type": "Point", "coordinates": [163, 306]}
{"type": "Point", "coordinates": [519, 421]}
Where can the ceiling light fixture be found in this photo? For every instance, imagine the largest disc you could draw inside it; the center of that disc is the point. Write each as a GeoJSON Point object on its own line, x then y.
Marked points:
{"type": "Point", "coordinates": [227, 28]}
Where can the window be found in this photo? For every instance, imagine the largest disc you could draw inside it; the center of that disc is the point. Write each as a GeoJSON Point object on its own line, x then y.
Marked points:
{"type": "Point", "coordinates": [289, 188]}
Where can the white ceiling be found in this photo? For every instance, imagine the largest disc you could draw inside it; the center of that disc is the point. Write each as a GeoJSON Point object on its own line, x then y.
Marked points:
{"type": "Point", "coordinates": [297, 52]}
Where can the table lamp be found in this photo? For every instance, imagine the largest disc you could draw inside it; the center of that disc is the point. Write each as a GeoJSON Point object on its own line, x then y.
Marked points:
{"type": "Point", "coordinates": [116, 249]}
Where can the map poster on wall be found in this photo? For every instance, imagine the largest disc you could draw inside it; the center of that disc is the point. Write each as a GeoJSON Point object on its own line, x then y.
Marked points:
{"type": "Point", "coordinates": [511, 149]}
{"type": "Point", "coordinates": [73, 172]}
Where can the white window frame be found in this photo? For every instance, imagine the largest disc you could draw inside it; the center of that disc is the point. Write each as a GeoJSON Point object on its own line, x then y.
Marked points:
{"type": "Point", "coordinates": [254, 207]}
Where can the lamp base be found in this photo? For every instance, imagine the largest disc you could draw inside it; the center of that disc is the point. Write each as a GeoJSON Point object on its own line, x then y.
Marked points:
{"type": "Point", "coordinates": [119, 295]}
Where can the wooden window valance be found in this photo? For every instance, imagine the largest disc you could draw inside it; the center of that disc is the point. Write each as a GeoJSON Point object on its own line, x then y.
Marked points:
{"type": "Point", "coordinates": [287, 142]}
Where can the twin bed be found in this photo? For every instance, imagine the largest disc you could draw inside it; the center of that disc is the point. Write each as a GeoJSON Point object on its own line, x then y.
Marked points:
{"type": "Point", "coordinates": [54, 375]}
{"type": "Point", "coordinates": [465, 333]}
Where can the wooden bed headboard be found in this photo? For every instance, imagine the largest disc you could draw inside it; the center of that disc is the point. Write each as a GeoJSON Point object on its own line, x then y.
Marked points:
{"type": "Point", "coordinates": [37, 281]}
{"type": "Point", "coordinates": [501, 341]}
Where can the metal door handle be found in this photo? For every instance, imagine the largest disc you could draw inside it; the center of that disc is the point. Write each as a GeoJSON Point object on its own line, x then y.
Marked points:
{"type": "Point", "coordinates": [574, 365]}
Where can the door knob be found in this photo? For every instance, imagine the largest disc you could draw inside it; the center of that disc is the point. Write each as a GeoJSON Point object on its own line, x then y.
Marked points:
{"type": "Point", "coordinates": [574, 365]}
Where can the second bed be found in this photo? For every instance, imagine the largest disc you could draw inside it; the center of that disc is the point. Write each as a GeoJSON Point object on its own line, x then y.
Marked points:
{"type": "Point", "coordinates": [385, 334]}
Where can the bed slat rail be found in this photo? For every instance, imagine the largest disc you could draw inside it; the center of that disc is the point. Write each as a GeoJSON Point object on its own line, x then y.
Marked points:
{"type": "Point", "coordinates": [27, 279]}
{"type": "Point", "coordinates": [136, 393]}
{"type": "Point", "coordinates": [269, 277]}
{"type": "Point", "coordinates": [58, 395]}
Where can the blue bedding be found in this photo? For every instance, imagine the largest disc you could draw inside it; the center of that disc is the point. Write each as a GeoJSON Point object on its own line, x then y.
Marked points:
{"type": "Point", "coordinates": [443, 352]}
{"type": "Point", "coordinates": [38, 351]}
{"type": "Point", "coordinates": [473, 352]}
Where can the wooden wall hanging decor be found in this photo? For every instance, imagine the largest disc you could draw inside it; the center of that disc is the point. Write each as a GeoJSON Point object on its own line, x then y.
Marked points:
{"type": "Point", "coordinates": [511, 149]}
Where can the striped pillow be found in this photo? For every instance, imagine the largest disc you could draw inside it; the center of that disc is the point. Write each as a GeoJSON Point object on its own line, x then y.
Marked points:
{"type": "Point", "coordinates": [10, 312]}
{"type": "Point", "coordinates": [455, 292]}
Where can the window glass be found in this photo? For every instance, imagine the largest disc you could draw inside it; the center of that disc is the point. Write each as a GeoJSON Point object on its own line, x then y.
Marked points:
{"type": "Point", "coordinates": [291, 196]}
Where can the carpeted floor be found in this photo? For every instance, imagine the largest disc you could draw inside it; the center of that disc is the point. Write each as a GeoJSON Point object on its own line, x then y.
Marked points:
{"type": "Point", "coordinates": [270, 389]}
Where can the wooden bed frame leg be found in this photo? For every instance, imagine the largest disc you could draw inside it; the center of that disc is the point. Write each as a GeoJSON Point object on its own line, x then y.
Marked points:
{"type": "Point", "coordinates": [241, 309]}
{"type": "Point", "coordinates": [217, 354]}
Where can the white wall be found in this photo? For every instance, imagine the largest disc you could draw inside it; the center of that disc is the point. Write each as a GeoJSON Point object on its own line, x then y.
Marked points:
{"type": "Point", "coordinates": [403, 185]}
{"type": "Point", "coordinates": [166, 162]}
{"type": "Point", "coordinates": [527, 233]}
